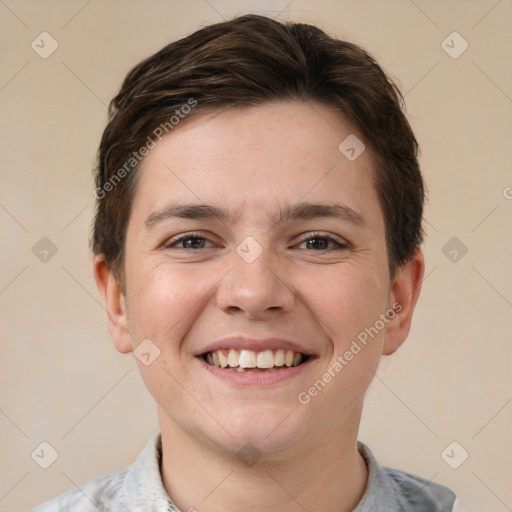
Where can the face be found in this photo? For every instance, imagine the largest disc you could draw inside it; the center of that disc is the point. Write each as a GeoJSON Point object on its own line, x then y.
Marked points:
{"type": "Point", "coordinates": [250, 231]}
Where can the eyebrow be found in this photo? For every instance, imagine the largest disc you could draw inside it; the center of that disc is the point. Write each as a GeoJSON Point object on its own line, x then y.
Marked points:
{"type": "Point", "coordinates": [301, 210]}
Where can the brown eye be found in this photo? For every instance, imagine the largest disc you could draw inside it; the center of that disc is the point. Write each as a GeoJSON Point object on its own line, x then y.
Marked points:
{"type": "Point", "coordinates": [189, 241]}
{"type": "Point", "coordinates": [318, 242]}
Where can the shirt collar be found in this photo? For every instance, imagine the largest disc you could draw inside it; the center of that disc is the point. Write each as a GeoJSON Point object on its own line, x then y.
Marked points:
{"type": "Point", "coordinates": [379, 488]}
{"type": "Point", "coordinates": [144, 489]}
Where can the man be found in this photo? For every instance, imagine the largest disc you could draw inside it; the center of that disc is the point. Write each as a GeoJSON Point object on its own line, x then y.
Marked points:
{"type": "Point", "coordinates": [257, 247]}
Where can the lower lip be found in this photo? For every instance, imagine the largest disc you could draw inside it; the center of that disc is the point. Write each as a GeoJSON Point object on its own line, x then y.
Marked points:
{"type": "Point", "coordinates": [255, 378]}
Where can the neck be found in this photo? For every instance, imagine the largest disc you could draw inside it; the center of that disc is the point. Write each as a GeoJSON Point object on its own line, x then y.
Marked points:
{"type": "Point", "coordinates": [325, 474]}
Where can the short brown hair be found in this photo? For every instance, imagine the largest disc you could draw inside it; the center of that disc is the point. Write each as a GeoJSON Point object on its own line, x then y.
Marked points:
{"type": "Point", "coordinates": [247, 61]}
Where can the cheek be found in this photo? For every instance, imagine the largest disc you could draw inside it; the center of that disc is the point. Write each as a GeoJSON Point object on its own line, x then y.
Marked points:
{"type": "Point", "coordinates": [162, 308]}
{"type": "Point", "coordinates": [346, 303]}
{"type": "Point", "coordinates": [162, 299]}
{"type": "Point", "coordinates": [345, 299]}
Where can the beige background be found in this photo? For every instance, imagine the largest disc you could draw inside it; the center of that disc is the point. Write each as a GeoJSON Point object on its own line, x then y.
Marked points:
{"type": "Point", "coordinates": [61, 379]}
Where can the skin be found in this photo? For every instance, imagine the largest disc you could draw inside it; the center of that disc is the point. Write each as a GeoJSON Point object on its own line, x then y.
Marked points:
{"type": "Point", "coordinates": [252, 161]}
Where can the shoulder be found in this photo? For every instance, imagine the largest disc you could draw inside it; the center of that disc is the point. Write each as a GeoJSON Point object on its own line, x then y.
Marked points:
{"type": "Point", "coordinates": [137, 487]}
{"type": "Point", "coordinates": [98, 494]}
{"type": "Point", "coordinates": [393, 490]}
{"type": "Point", "coordinates": [417, 493]}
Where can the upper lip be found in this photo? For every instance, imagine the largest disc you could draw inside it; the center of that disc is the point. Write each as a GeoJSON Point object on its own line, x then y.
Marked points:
{"type": "Point", "coordinates": [245, 343]}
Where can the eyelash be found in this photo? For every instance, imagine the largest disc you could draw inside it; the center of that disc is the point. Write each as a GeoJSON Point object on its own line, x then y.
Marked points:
{"type": "Point", "coordinates": [339, 245]}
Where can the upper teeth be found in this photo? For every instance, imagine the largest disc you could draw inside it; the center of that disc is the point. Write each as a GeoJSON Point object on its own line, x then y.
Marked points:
{"type": "Point", "coordinates": [250, 359]}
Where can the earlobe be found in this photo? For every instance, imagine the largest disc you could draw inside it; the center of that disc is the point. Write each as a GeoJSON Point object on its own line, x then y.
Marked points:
{"type": "Point", "coordinates": [404, 293]}
{"type": "Point", "coordinates": [114, 301]}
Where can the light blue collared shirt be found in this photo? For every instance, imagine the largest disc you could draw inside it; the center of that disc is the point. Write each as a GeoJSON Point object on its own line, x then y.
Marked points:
{"type": "Point", "coordinates": [139, 488]}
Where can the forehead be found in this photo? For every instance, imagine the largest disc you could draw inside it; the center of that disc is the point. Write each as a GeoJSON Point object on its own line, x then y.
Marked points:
{"type": "Point", "coordinates": [250, 159]}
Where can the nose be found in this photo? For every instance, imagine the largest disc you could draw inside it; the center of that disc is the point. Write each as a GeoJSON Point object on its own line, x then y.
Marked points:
{"type": "Point", "coordinates": [256, 288]}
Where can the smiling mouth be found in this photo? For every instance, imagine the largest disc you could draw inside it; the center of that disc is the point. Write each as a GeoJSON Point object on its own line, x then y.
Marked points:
{"type": "Point", "coordinates": [248, 361]}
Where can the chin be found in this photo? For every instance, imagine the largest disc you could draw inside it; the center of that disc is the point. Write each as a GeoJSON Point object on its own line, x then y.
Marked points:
{"type": "Point", "coordinates": [269, 429]}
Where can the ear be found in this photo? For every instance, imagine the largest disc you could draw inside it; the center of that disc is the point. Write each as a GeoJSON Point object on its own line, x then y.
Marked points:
{"type": "Point", "coordinates": [115, 304]}
{"type": "Point", "coordinates": [404, 292]}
